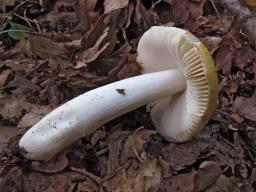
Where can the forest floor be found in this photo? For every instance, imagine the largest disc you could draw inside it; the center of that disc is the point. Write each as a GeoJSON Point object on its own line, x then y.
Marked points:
{"type": "Point", "coordinates": [52, 51]}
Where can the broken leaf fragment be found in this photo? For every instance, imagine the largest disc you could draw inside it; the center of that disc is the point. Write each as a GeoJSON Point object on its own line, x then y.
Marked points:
{"type": "Point", "coordinates": [17, 31]}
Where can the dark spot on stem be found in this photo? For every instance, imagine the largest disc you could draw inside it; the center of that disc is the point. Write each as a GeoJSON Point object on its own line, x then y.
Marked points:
{"type": "Point", "coordinates": [121, 91]}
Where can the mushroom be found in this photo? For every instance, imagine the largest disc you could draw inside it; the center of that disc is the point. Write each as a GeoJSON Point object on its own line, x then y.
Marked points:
{"type": "Point", "coordinates": [179, 82]}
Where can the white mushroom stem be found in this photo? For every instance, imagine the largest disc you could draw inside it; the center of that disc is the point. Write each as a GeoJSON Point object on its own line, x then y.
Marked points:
{"type": "Point", "coordinates": [84, 114]}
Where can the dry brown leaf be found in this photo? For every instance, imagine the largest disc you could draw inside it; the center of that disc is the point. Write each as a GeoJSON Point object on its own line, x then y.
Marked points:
{"type": "Point", "coordinates": [57, 19]}
{"type": "Point", "coordinates": [87, 56]}
{"type": "Point", "coordinates": [34, 115]}
{"type": "Point", "coordinates": [130, 69]}
{"type": "Point", "coordinates": [224, 184]}
{"type": "Point", "coordinates": [55, 165]}
{"type": "Point", "coordinates": [244, 55]}
{"type": "Point", "coordinates": [223, 59]}
{"type": "Point", "coordinates": [97, 136]}
{"type": "Point", "coordinates": [87, 186]}
{"type": "Point", "coordinates": [207, 175]}
{"type": "Point", "coordinates": [17, 180]}
{"type": "Point", "coordinates": [134, 144]}
{"type": "Point", "coordinates": [185, 10]}
{"type": "Point", "coordinates": [180, 183]}
{"type": "Point", "coordinates": [115, 141]}
{"type": "Point", "coordinates": [246, 107]}
{"type": "Point", "coordinates": [211, 42]}
{"type": "Point", "coordinates": [123, 180]}
{"type": "Point", "coordinates": [7, 132]}
{"type": "Point", "coordinates": [111, 5]}
{"type": "Point", "coordinates": [174, 153]}
{"type": "Point", "coordinates": [83, 14]}
{"type": "Point", "coordinates": [4, 76]}
{"type": "Point", "coordinates": [45, 47]}
{"type": "Point", "coordinates": [131, 179]}
{"type": "Point", "coordinates": [149, 175]}
{"type": "Point", "coordinates": [14, 109]}
{"type": "Point", "coordinates": [143, 17]}
{"type": "Point", "coordinates": [24, 47]}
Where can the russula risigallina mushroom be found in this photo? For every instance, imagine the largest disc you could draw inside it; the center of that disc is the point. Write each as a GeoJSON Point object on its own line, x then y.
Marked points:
{"type": "Point", "coordinates": [179, 82]}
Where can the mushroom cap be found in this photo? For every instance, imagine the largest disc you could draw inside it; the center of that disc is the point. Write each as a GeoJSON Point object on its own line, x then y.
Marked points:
{"type": "Point", "coordinates": [179, 117]}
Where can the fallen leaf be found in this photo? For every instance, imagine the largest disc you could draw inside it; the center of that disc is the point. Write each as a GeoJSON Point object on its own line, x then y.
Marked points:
{"type": "Point", "coordinates": [224, 184]}
{"type": "Point", "coordinates": [130, 69]}
{"type": "Point", "coordinates": [185, 10]}
{"type": "Point", "coordinates": [246, 107]}
{"type": "Point", "coordinates": [7, 132]}
{"type": "Point", "coordinates": [149, 175]}
{"type": "Point", "coordinates": [223, 59]}
{"type": "Point", "coordinates": [244, 56]}
{"type": "Point", "coordinates": [97, 136]}
{"type": "Point", "coordinates": [143, 17]}
{"type": "Point", "coordinates": [35, 113]}
{"type": "Point", "coordinates": [55, 165]}
{"type": "Point", "coordinates": [182, 155]}
{"type": "Point", "coordinates": [17, 180]}
{"type": "Point", "coordinates": [18, 35]}
{"type": "Point", "coordinates": [134, 144]}
{"type": "Point", "coordinates": [180, 183]}
{"type": "Point", "coordinates": [61, 19]}
{"type": "Point", "coordinates": [211, 42]}
{"type": "Point", "coordinates": [87, 186]}
{"type": "Point", "coordinates": [83, 14]}
{"type": "Point", "coordinates": [207, 175]}
{"type": "Point", "coordinates": [14, 109]}
{"type": "Point", "coordinates": [93, 53]}
{"type": "Point", "coordinates": [122, 180]}
{"type": "Point", "coordinates": [4, 76]}
{"type": "Point", "coordinates": [110, 5]}
{"type": "Point", "coordinates": [45, 47]}
{"type": "Point", "coordinates": [115, 141]}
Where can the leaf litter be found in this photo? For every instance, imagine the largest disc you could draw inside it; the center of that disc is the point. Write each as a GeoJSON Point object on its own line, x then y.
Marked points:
{"type": "Point", "coordinates": [74, 47]}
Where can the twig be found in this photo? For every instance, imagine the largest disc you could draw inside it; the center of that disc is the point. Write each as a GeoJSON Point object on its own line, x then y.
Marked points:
{"type": "Point", "coordinates": [26, 20]}
{"type": "Point", "coordinates": [102, 151]}
{"type": "Point", "coordinates": [93, 177]}
{"type": "Point", "coordinates": [133, 143]}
